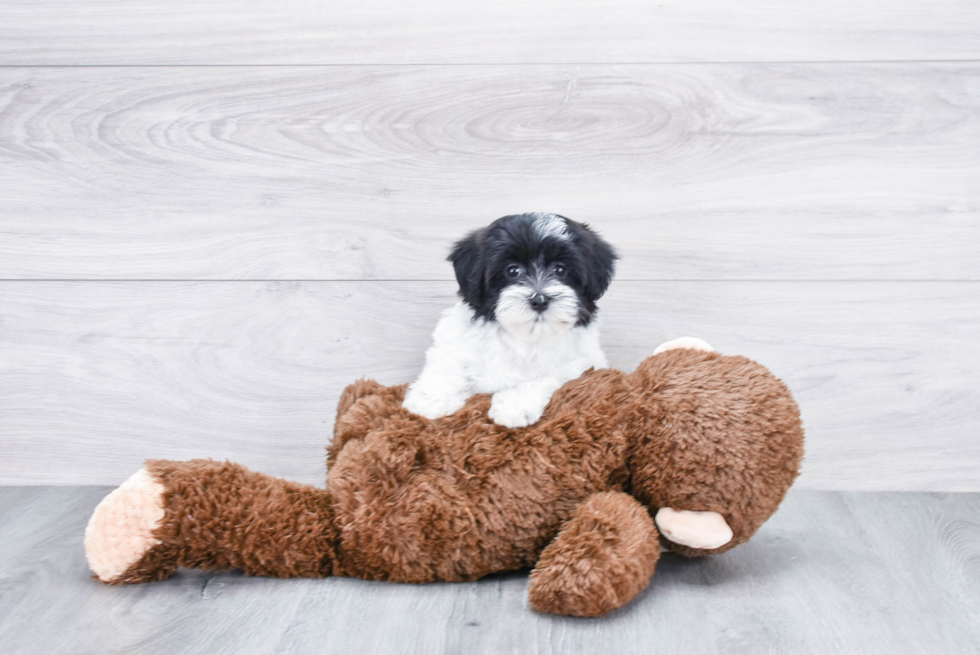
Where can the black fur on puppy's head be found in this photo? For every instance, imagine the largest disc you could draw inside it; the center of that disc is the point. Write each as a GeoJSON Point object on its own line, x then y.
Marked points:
{"type": "Point", "coordinates": [534, 273]}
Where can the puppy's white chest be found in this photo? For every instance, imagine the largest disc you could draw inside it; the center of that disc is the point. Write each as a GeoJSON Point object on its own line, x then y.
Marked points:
{"type": "Point", "coordinates": [502, 364]}
{"type": "Point", "coordinates": [493, 360]}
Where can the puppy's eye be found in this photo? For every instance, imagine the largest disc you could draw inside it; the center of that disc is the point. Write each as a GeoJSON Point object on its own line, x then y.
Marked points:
{"type": "Point", "coordinates": [559, 270]}
{"type": "Point", "coordinates": [513, 270]}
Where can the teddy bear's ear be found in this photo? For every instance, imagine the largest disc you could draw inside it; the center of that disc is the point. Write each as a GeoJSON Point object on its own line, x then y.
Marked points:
{"type": "Point", "coordinates": [599, 257]}
{"type": "Point", "coordinates": [469, 263]}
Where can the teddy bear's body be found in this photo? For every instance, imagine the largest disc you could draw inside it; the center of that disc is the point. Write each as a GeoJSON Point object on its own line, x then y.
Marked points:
{"type": "Point", "coordinates": [410, 499]}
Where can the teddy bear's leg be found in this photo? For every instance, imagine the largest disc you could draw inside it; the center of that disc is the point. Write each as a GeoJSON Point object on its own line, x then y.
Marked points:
{"type": "Point", "coordinates": [694, 529]}
{"type": "Point", "coordinates": [684, 342]}
{"type": "Point", "coordinates": [603, 556]}
{"type": "Point", "coordinates": [701, 530]}
{"type": "Point", "coordinates": [210, 515]}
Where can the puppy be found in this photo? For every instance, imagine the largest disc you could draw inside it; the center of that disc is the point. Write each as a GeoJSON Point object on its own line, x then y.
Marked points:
{"type": "Point", "coordinates": [526, 322]}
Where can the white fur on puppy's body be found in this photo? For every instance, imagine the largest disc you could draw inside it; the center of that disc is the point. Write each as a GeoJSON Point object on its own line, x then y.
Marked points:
{"type": "Point", "coordinates": [472, 355]}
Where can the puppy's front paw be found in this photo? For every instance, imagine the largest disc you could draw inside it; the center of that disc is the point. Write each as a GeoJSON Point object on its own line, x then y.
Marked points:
{"type": "Point", "coordinates": [430, 405]}
{"type": "Point", "coordinates": [512, 409]}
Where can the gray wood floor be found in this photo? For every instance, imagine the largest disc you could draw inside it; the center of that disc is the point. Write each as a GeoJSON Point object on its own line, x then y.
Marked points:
{"type": "Point", "coordinates": [831, 572]}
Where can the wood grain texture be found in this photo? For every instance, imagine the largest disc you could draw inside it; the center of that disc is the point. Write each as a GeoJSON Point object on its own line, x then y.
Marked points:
{"type": "Point", "coordinates": [98, 376]}
{"type": "Point", "coordinates": [143, 32]}
{"type": "Point", "coordinates": [830, 573]}
{"type": "Point", "coordinates": [844, 171]}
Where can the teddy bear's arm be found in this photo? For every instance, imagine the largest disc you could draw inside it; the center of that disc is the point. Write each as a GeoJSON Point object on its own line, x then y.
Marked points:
{"type": "Point", "coordinates": [603, 557]}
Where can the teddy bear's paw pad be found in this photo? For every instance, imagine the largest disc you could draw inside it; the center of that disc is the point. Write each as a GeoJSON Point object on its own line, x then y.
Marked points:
{"type": "Point", "coordinates": [120, 531]}
{"type": "Point", "coordinates": [702, 530]}
{"type": "Point", "coordinates": [684, 342]}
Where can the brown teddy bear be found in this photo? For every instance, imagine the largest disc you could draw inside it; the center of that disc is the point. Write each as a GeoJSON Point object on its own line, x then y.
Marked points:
{"type": "Point", "coordinates": [700, 445]}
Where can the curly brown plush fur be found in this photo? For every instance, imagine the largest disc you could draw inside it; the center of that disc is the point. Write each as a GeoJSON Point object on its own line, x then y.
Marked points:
{"type": "Point", "coordinates": [415, 500]}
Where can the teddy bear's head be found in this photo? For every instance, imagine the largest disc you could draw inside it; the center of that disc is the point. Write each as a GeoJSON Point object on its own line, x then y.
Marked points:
{"type": "Point", "coordinates": [711, 432]}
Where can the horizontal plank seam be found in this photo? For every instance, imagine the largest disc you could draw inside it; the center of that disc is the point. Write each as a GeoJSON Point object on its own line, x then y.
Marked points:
{"type": "Point", "coordinates": [489, 64]}
{"type": "Point", "coordinates": [796, 489]}
{"type": "Point", "coordinates": [618, 280]}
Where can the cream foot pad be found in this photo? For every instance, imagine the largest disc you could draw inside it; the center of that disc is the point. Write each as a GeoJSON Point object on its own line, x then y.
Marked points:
{"type": "Point", "coordinates": [120, 531]}
{"type": "Point", "coordinates": [702, 530]}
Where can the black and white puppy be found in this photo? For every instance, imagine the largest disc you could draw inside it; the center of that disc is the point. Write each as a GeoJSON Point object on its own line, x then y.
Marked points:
{"type": "Point", "coordinates": [526, 323]}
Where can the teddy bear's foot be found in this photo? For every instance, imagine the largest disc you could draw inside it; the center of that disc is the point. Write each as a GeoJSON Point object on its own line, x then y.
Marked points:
{"type": "Point", "coordinates": [120, 533]}
{"type": "Point", "coordinates": [701, 530]}
{"type": "Point", "coordinates": [684, 342]}
{"type": "Point", "coordinates": [603, 557]}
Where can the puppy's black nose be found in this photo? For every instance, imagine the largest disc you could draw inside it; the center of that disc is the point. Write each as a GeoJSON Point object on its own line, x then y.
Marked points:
{"type": "Point", "coordinates": [539, 302]}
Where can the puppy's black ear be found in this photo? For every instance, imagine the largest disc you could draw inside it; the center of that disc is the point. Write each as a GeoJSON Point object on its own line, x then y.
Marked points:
{"type": "Point", "coordinates": [469, 263]}
{"type": "Point", "coordinates": [598, 257]}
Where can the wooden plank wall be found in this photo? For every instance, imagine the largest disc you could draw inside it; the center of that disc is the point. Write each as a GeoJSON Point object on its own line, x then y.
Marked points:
{"type": "Point", "coordinates": [214, 216]}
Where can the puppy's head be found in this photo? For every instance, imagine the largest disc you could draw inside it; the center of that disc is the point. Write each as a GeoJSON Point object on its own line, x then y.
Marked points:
{"type": "Point", "coordinates": [536, 274]}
